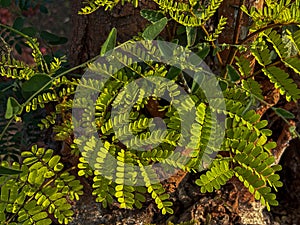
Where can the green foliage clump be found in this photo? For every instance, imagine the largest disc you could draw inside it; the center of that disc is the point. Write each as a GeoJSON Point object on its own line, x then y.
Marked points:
{"type": "Point", "coordinates": [112, 158]}
{"type": "Point", "coordinates": [41, 189]}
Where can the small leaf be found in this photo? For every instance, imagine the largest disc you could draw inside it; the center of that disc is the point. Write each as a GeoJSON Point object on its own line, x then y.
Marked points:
{"type": "Point", "coordinates": [166, 49]}
{"type": "Point", "coordinates": [203, 50]}
{"type": "Point", "coordinates": [53, 161]}
{"type": "Point", "coordinates": [283, 113]}
{"type": "Point", "coordinates": [46, 221]}
{"type": "Point", "coordinates": [13, 108]}
{"type": "Point", "coordinates": [110, 42]}
{"type": "Point", "coordinates": [191, 34]}
{"type": "Point", "coordinates": [223, 85]}
{"type": "Point", "coordinates": [232, 73]}
{"type": "Point", "coordinates": [154, 29]}
{"type": "Point", "coordinates": [173, 72]}
{"type": "Point", "coordinates": [198, 80]}
{"type": "Point", "coordinates": [135, 3]}
{"type": "Point", "coordinates": [8, 171]}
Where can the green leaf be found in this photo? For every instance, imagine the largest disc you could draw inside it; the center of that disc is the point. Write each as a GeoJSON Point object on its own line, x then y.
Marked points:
{"type": "Point", "coordinates": [34, 84]}
{"type": "Point", "coordinates": [166, 49]}
{"type": "Point", "coordinates": [30, 31]}
{"type": "Point", "coordinates": [203, 50]}
{"type": "Point", "coordinates": [8, 171]}
{"type": "Point", "coordinates": [191, 34]}
{"type": "Point", "coordinates": [152, 15]}
{"type": "Point", "coordinates": [53, 39]}
{"type": "Point", "coordinates": [283, 113]}
{"type": "Point", "coordinates": [43, 9]}
{"type": "Point", "coordinates": [39, 216]}
{"type": "Point", "coordinates": [53, 161]}
{"type": "Point", "coordinates": [154, 29]}
{"type": "Point", "coordinates": [173, 72]}
{"type": "Point", "coordinates": [44, 222]}
{"type": "Point", "coordinates": [18, 24]}
{"type": "Point", "coordinates": [232, 73]}
{"type": "Point", "coordinates": [198, 80]}
{"type": "Point", "coordinates": [5, 3]}
{"type": "Point", "coordinates": [13, 108]}
{"type": "Point", "coordinates": [110, 42]}
{"type": "Point", "coordinates": [223, 85]}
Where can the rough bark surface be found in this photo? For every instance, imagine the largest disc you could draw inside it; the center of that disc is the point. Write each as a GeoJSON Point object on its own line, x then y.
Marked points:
{"type": "Point", "coordinates": [237, 23]}
{"type": "Point", "coordinates": [90, 31]}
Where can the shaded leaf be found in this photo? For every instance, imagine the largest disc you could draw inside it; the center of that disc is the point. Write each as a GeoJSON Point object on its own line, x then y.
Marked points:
{"type": "Point", "coordinates": [8, 171]}
{"type": "Point", "coordinates": [34, 84]}
{"type": "Point", "coordinates": [232, 73]}
{"type": "Point", "coordinates": [284, 113]}
{"type": "Point", "coordinates": [154, 29]}
{"type": "Point", "coordinates": [52, 38]}
{"type": "Point", "coordinates": [13, 108]}
{"type": "Point", "coordinates": [110, 42]}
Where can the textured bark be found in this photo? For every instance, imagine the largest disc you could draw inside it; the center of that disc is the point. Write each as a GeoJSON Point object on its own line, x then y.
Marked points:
{"type": "Point", "coordinates": [90, 31]}
{"type": "Point", "coordinates": [237, 24]}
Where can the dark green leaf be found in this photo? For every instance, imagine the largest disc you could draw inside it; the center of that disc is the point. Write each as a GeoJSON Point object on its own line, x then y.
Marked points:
{"type": "Point", "coordinates": [18, 24]}
{"type": "Point", "coordinates": [13, 108]}
{"type": "Point", "coordinates": [43, 9]}
{"type": "Point", "coordinates": [232, 73]}
{"type": "Point", "coordinates": [53, 39]}
{"type": "Point", "coordinates": [34, 84]}
{"type": "Point", "coordinates": [18, 48]}
{"type": "Point", "coordinates": [5, 3]}
{"type": "Point", "coordinates": [110, 42]}
{"type": "Point", "coordinates": [191, 34]}
{"type": "Point", "coordinates": [30, 31]}
{"type": "Point", "coordinates": [284, 113]}
{"type": "Point", "coordinates": [152, 15]}
{"type": "Point", "coordinates": [166, 49]}
{"type": "Point", "coordinates": [203, 50]}
{"type": "Point", "coordinates": [173, 72]}
{"type": "Point", "coordinates": [198, 80]}
{"type": "Point", "coordinates": [8, 171]}
{"type": "Point", "coordinates": [223, 85]}
{"type": "Point", "coordinates": [154, 29]}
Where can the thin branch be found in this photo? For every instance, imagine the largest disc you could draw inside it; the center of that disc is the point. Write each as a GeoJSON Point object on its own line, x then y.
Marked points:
{"type": "Point", "coordinates": [214, 46]}
{"type": "Point", "coordinates": [236, 33]}
{"type": "Point", "coordinates": [250, 36]}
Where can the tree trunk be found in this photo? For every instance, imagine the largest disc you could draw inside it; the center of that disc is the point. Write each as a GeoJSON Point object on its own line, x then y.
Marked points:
{"type": "Point", "coordinates": [90, 31]}
{"type": "Point", "coordinates": [237, 26]}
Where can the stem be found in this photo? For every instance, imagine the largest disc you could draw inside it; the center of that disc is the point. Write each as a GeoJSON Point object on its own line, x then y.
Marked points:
{"type": "Point", "coordinates": [250, 36]}
{"type": "Point", "coordinates": [21, 34]}
{"type": "Point", "coordinates": [42, 88]}
{"type": "Point", "coordinates": [274, 110]}
{"type": "Point", "coordinates": [6, 127]}
{"type": "Point", "coordinates": [214, 46]}
{"type": "Point", "coordinates": [39, 189]}
{"type": "Point", "coordinates": [236, 34]}
{"type": "Point", "coordinates": [265, 28]}
{"type": "Point", "coordinates": [60, 75]}
{"type": "Point", "coordinates": [259, 71]}
{"type": "Point", "coordinates": [29, 39]}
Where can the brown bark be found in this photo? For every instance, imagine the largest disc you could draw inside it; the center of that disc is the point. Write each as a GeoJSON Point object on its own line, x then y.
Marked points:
{"type": "Point", "coordinates": [90, 31]}
{"type": "Point", "coordinates": [237, 24]}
